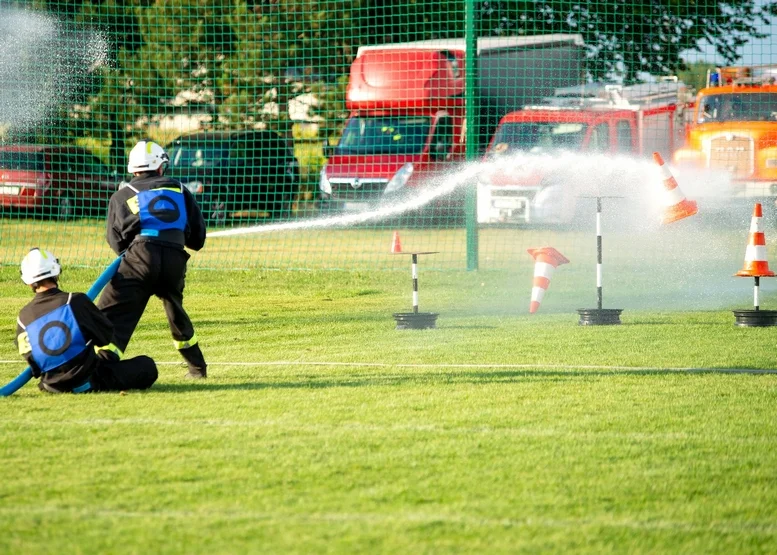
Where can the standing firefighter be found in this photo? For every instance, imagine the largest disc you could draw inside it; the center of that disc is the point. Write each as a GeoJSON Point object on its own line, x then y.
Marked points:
{"type": "Point", "coordinates": [153, 218]}
{"type": "Point", "coordinates": [57, 331]}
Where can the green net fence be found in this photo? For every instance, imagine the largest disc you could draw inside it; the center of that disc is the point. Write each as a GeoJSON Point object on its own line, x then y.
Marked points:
{"type": "Point", "coordinates": [325, 134]}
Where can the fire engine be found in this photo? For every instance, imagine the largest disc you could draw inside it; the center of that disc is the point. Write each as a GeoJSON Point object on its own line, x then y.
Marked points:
{"type": "Point", "coordinates": [734, 130]}
{"type": "Point", "coordinates": [407, 122]}
{"type": "Point", "coordinates": [602, 119]}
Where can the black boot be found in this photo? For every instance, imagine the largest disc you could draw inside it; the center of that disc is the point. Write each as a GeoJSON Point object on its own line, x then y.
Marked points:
{"type": "Point", "coordinates": [198, 369]}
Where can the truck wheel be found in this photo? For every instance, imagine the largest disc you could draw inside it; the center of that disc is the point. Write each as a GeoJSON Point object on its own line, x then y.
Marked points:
{"type": "Point", "coordinates": [282, 204]}
{"type": "Point", "coordinates": [214, 210]}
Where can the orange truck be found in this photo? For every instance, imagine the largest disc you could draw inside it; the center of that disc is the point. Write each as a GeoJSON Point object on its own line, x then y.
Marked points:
{"type": "Point", "coordinates": [595, 119]}
{"type": "Point", "coordinates": [733, 131]}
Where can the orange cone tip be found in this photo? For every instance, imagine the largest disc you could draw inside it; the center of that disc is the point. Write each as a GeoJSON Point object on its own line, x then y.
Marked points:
{"type": "Point", "coordinates": [756, 264]}
{"type": "Point", "coordinates": [396, 245]}
{"type": "Point", "coordinates": [546, 259]}
{"type": "Point", "coordinates": [677, 206]}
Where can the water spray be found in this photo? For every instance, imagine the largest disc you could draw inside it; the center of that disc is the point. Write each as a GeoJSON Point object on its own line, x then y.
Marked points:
{"type": "Point", "coordinates": [570, 168]}
{"type": "Point", "coordinates": [44, 63]}
{"type": "Point", "coordinates": [414, 200]}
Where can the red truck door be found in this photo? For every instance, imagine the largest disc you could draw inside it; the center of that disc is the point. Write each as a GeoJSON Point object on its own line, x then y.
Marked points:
{"type": "Point", "coordinates": [625, 138]}
{"type": "Point", "coordinates": [598, 138]}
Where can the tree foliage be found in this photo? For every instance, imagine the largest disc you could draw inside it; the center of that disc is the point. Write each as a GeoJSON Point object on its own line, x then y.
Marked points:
{"type": "Point", "coordinates": [246, 59]}
{"type": "Point", "coordinates": [625, 38]}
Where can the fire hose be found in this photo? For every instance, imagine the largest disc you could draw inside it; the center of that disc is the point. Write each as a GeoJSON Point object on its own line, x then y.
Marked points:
{"type": "Point", "coordinates": [16, 384]}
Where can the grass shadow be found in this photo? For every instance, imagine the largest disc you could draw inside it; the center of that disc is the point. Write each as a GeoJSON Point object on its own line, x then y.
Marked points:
{"type": "Point", "coordinates": [448, 378]}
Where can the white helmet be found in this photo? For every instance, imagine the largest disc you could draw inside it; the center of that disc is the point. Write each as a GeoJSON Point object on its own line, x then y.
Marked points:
{"type": "Point", "coordinates": [146, 156]}
{"type": "Point", "coordinates": [39, 265]}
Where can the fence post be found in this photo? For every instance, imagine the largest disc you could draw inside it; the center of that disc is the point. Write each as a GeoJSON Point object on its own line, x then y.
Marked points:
{"type": "Point", "coordinates": [470, 204]}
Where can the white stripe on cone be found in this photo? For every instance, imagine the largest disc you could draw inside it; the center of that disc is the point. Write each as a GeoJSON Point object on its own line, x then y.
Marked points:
{"type": "Point", "coordinates": [543, 269]}
{"type": "Point", "coordinates": [755, 253]}
{"type": "Point", "coordinates": [537, 293]}
{"type": "Point", "coordinates": [673, 196]}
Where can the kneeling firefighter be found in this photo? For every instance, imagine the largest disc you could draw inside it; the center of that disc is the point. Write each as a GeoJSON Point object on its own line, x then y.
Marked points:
{"type": "Point", "coordinates": [57, 331]}
{"type": "Point", "coordinates": [153, 218]}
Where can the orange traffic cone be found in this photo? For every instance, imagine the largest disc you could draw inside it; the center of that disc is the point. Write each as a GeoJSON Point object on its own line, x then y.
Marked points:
{"type": "Point", "coordinates": [546, 259]}
{"type": "Point", "coordinates": [677, 206]}
{"type": "Point", "coordinates": [396, 246]}
{"type": "Point", "coordinates": [756, 264]}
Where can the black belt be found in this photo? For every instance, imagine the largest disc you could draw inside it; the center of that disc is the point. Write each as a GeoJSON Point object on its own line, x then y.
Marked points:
{"type": "Point", "coordinates": [175, 236]}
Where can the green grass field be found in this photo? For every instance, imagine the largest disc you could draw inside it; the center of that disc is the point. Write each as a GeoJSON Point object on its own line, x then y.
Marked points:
{"type": "Point", "coordinates": [322, 429]}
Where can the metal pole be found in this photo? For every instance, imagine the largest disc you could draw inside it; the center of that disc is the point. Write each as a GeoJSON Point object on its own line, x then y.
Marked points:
{"type": "Point", "coordinates": [471, 108]}
{"type": "Point", "coordinates": [415, 283]}
{"type": "Point", "coordinates": [599, 253]}
{"type": "Point", "coordinates": [755, 293]}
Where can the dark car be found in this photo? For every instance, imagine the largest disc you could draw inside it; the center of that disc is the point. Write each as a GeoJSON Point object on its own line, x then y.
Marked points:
{"type": "Point", "coordinates": [236, 174]}
{"type": "Point", "coordinates": [59, 181]}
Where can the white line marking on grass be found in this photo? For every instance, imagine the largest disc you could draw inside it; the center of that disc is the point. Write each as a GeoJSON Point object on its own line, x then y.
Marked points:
{"type": "Point", "coordinates": [768, 528]}
{"type": "Point", "coordinates": [538, 366]}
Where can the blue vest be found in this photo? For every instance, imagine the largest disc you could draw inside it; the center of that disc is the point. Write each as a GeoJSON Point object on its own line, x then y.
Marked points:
{"type": "Point", "coordinates": [55, 338]}
{"type": "Point", "coordinates": [161, 210]}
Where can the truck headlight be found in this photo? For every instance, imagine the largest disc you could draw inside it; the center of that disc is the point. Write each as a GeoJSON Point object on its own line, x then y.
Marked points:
{"type": "Point", "coordinates": [324, 184]}
{"type": "Point", "coordinates": [400, 179]}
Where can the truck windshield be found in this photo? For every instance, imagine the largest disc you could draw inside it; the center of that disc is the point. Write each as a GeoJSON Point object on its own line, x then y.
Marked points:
{"type": "Point", "coordinates": [738, 107]}
{"type": "Point", "coordinates": [537, 137]}
{"type": "Point", "coordinates": [197, 156]}
{"type": "Point", "coordinates": [384, 135]}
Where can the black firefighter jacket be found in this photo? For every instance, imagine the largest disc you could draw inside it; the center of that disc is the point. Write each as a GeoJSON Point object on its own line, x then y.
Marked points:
{"type": "Point", "coordinates": [123, 226]}
{"type": "Point", "coordinates": [95, 327]}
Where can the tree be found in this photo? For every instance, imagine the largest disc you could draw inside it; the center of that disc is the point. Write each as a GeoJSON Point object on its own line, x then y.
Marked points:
{"type": "Point", "coordinates": [625, 38]}
{"type": "Point", "coordinates": [283, 47]}
{"type": "Point", "coordinates": [248, 58]}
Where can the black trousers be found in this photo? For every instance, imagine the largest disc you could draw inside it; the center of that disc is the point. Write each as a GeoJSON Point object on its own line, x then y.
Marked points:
{"type": "Point", "coordinates": [132, 373]}
{"type": "Point", "coordinates": [147, 269]}
{"type": "Point", "coordinates": [139, 372]}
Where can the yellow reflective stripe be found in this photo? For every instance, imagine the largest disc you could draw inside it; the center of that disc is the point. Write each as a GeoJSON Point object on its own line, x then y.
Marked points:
{"type": "Point", "coordinates": [112, 348]}
{"type": "Point", "coordinates": [133, 205]}
{"type": "Point", "coordinates": [186, 343]}
{"type": "Point", "coordinates": [176, 189]}
{"type": "Point", "coordinates": [24, 343]}
{"type": "Point", "coordinates": [149, 144]}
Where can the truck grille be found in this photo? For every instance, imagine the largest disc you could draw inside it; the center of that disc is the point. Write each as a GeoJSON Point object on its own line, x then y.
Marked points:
{"type": "Point", "coordinates": [357, 189]}
{"type": "Point", "coordinates": [732, 154]}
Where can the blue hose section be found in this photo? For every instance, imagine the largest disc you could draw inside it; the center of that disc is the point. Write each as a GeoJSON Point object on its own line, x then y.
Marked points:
{"type": "Point", "coordinates": [14, 385]}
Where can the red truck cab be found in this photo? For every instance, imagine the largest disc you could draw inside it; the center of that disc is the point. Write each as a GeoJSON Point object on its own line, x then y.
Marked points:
{"type": "Point", "coordinates": [395, 135]}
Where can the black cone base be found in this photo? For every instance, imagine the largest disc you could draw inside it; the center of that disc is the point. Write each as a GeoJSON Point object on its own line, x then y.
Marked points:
{"type": "Point", "coordinates": [415, 320]}
{"type": "Point", "coordinates": [755, 318]}
{"type": "Point", "coordinates": [599, 316]}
